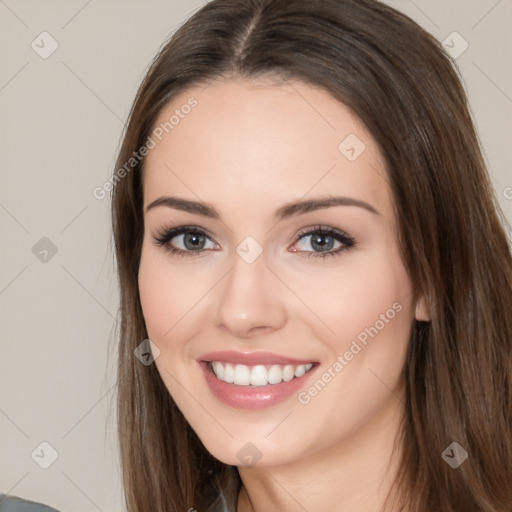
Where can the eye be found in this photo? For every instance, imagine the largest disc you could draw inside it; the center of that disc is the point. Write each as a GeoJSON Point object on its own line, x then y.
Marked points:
{"type": "Point", "coordinates": [323, 239]}
{"type": "Point", "coordinates": [190, 241]}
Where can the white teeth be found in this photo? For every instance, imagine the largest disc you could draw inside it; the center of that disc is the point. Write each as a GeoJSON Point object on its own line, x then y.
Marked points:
{"type": "Point", "coordinates": [218, 369]}
{"type": "Point", "coordinates": [229, 373]}
{"type": "Point", "coordinates": [300, 370]}
{"type": "Point", "coordinates": [275, 374]}
{"type": "Point", "coordinates": [242, 375]}
{"type": "Point", "coordinates": [288, 373]}
{"type": "Point", "coordinates": [258, 375]}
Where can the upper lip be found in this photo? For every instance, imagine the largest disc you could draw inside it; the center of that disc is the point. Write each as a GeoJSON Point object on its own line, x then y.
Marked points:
{"type": "Point", "coordinates": [251, 358]}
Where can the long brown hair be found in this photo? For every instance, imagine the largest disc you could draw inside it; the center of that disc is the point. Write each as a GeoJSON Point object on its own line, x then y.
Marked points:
{"type": "Point", "coordinates": [398, 80]}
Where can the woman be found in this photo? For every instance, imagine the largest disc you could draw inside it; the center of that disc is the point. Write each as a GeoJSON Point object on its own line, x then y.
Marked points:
{"type": "Point", "coordinates": [266, 137]}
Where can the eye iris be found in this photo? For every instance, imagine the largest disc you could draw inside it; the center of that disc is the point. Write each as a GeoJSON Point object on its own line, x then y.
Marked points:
{"type": "Point", "coordinates": [316, 242]}
{"type": "Point", "coordinates": [195, 239]}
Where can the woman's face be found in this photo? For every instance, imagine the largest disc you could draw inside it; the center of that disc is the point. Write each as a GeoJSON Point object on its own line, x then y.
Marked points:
{"type": "Point", "coordinates": [307, 300]}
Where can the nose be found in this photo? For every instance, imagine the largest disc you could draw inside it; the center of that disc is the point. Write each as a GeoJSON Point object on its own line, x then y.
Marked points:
{"type": "Point", "coordinates": [251, 300]}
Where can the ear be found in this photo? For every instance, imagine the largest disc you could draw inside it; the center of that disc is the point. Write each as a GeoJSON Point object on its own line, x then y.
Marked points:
{"type": "Point", "coordinates": [422, 313]}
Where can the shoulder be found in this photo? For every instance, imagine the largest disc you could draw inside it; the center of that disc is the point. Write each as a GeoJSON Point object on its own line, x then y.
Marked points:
{"type": "Point", "coordinates": [16, 504]}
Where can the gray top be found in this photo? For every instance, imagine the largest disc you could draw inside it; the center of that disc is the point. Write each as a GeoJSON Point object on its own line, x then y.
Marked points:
{"type": "Point", "coordinates": [15, 504]}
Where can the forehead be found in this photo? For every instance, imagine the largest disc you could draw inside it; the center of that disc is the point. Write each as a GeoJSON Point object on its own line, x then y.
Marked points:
{"type": "Point", "coordinates": [256, 144]}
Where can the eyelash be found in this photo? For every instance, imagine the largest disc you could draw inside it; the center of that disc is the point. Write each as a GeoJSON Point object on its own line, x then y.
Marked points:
{"type": "Point", "coordinates": [167, 234]}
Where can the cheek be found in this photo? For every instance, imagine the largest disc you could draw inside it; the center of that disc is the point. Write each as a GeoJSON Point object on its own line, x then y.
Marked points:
{"type": "Point", "coordinates": [363, 291]}
{"type": "Point", "coordinates": [166, 294]}
{"type": "Point", "coordinates": [156, 297]}
{"type": "Point", "coordinates": [371, 313]}
{"type": "Point", "coordinates": [378, 298]}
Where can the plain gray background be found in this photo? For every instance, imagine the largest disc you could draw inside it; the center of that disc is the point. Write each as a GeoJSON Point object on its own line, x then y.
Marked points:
{"type": "Point", "coordinates": [61, 121]}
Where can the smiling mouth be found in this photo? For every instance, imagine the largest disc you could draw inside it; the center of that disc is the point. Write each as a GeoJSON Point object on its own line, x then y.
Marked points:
{"type": "Point", "coordinates": [257, 375]}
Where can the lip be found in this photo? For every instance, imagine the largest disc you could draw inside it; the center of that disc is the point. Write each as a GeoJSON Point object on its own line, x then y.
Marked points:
{"type": "Point", "coordinates": [251, 358]}
{"type": "Point", "coordinates": [253, 397]}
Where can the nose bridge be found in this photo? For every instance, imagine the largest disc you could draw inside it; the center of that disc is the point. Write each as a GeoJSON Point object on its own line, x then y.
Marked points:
{"type": "Point", "coordinates": [249, 299]}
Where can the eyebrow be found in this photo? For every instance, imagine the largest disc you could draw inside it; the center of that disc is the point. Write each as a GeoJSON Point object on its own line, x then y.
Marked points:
{"type": "Point", "coordinates": [286, 211]}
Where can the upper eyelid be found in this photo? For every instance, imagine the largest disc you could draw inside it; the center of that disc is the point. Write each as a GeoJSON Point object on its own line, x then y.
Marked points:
{"type": "Point", "coordinates": [191, 228]}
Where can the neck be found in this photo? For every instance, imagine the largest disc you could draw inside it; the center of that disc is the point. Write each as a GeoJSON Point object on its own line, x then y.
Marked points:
{"type": "Point", "coordinates": [355, 474]}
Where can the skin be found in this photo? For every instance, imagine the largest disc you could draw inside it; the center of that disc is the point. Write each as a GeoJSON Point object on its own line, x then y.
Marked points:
{"type": "Point", "coordinates": [248, 148]}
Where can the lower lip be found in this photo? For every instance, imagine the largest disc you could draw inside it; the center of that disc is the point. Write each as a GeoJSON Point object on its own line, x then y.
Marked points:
{"type": "Point", "coordinates": [252, 397]}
